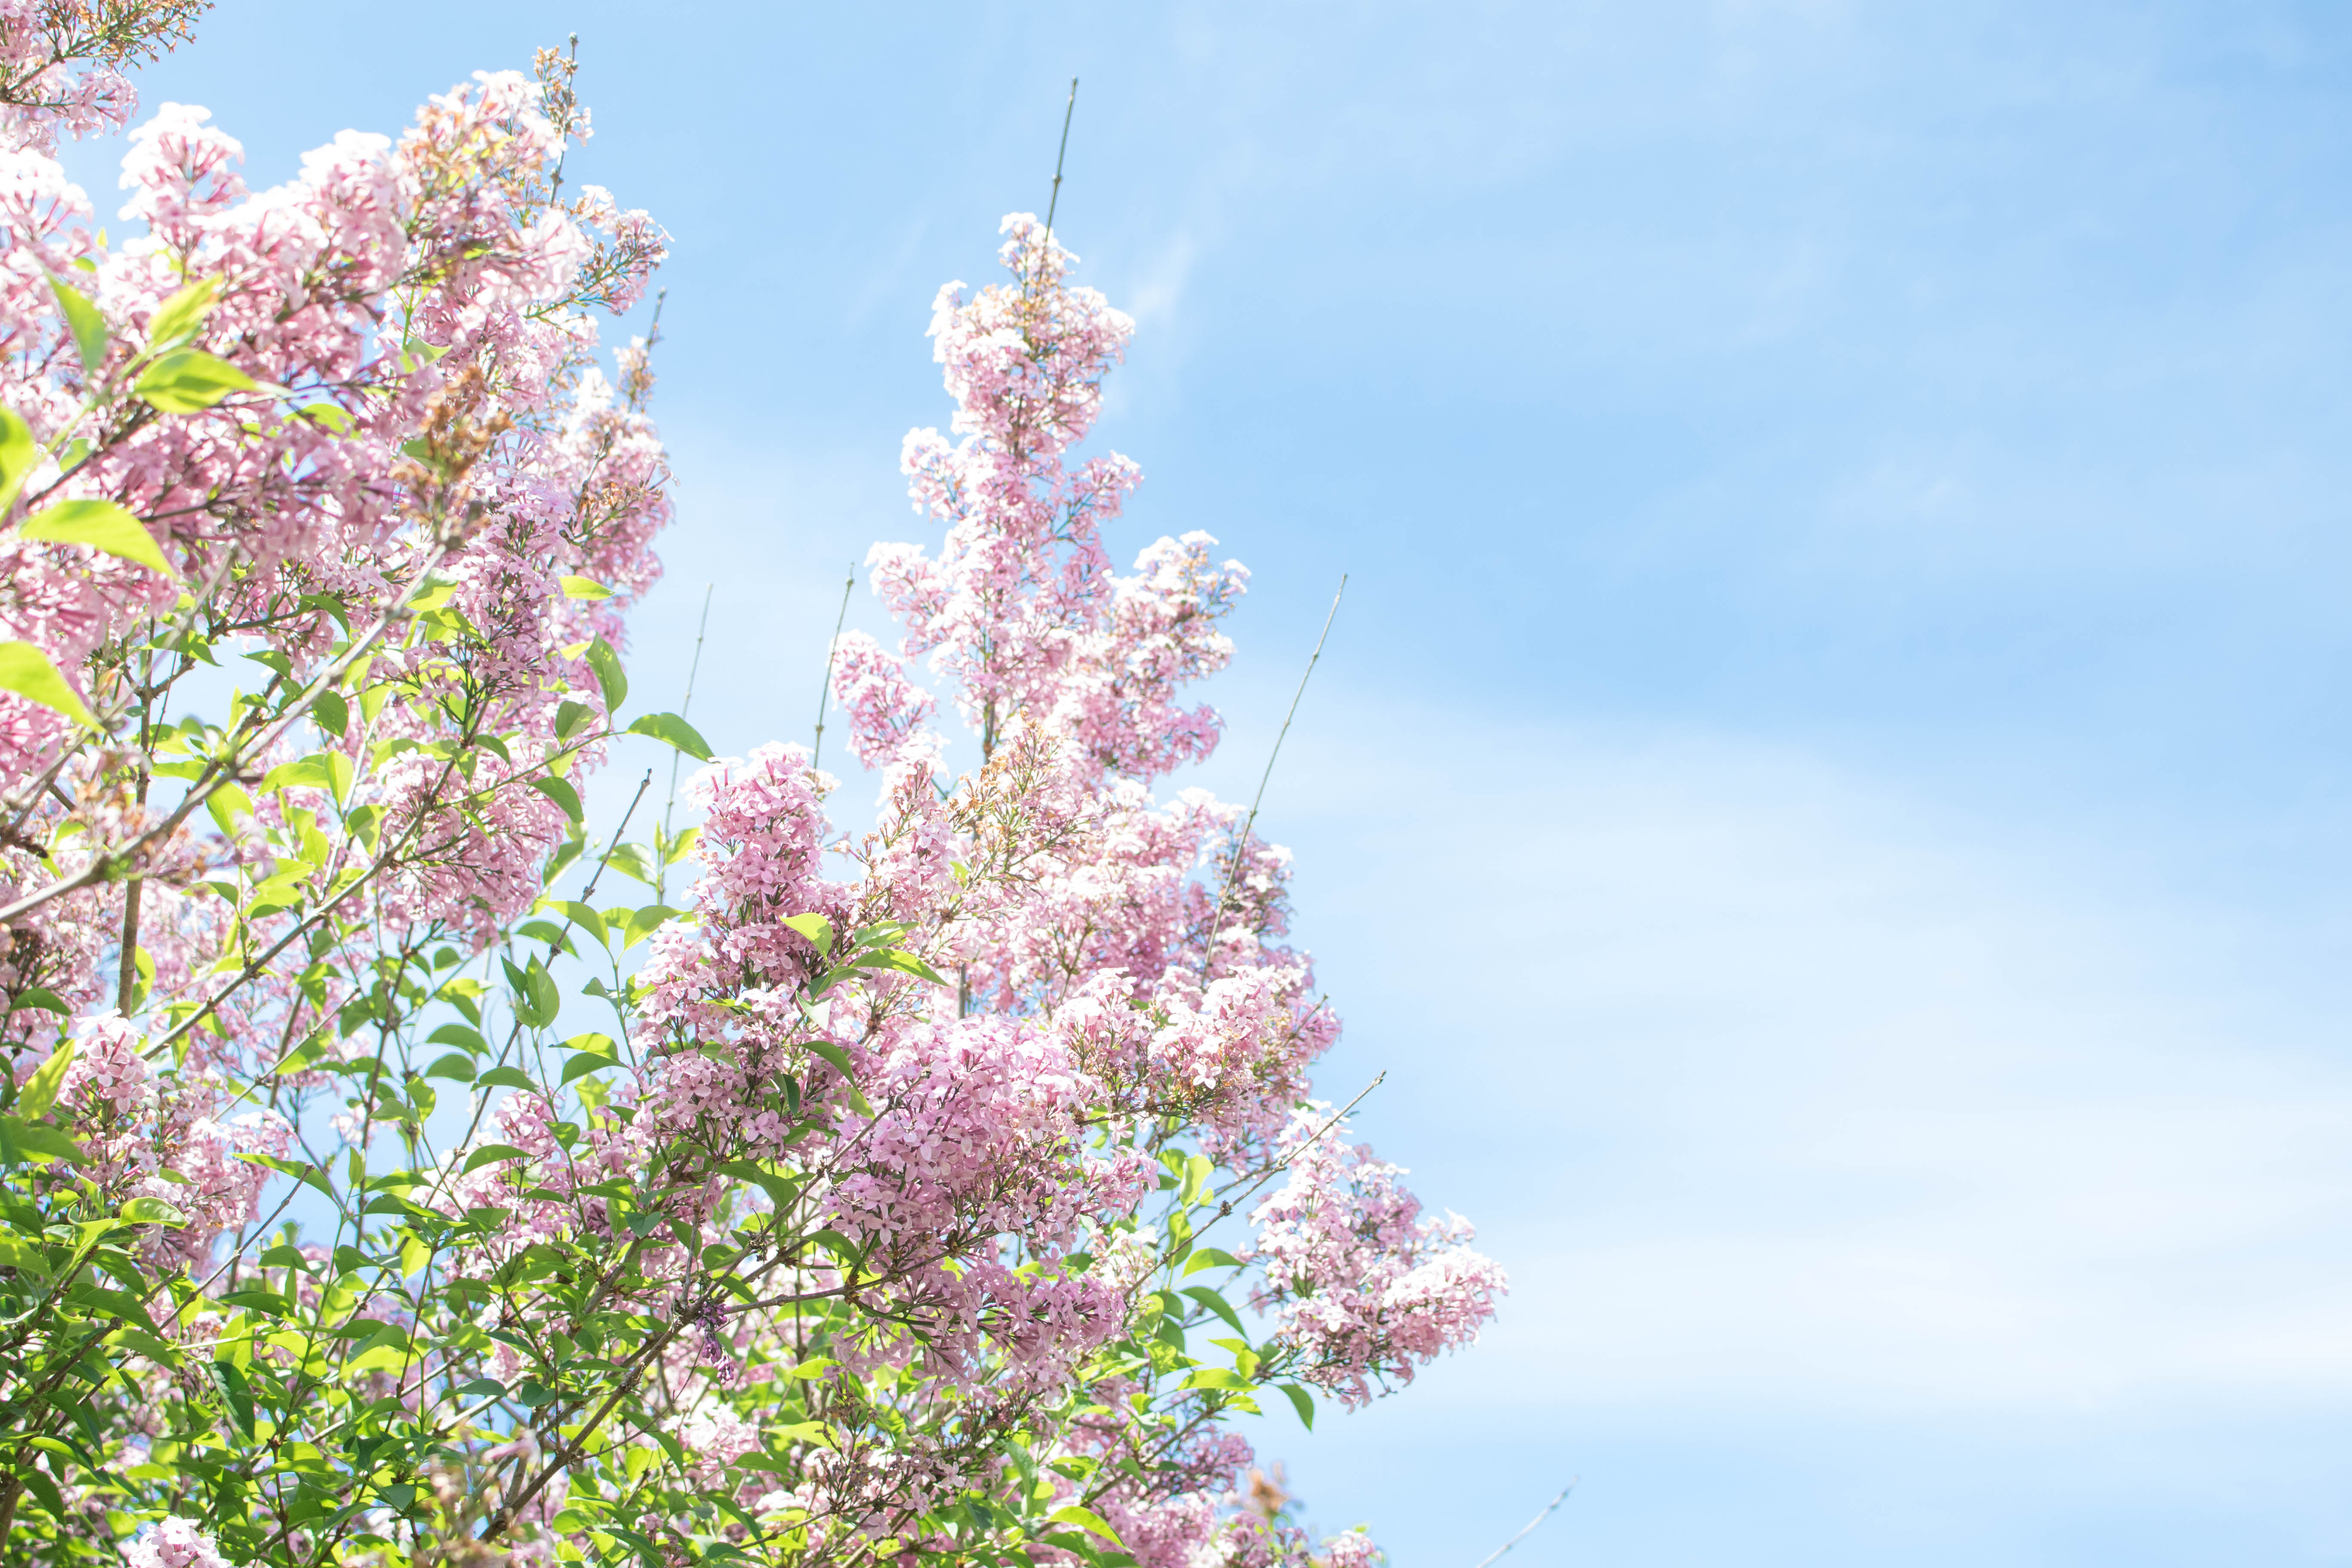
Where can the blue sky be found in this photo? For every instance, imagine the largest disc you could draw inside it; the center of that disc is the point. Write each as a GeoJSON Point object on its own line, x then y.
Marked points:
{"type": "Point", "coordinates": [1829, 792]}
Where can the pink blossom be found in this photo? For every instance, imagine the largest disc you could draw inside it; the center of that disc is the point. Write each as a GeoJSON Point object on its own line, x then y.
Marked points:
{"type": "Point", "coordinates": [1351, 1549]}
{"type": "Point", "coordinates": [107, 1080]}
{"type": "Point", "coordinates": [174, 1542]}
{"type": "Point", "coordinates": [1354, 1277]}
{"type": "Point", "coordinates": [891, 1176]}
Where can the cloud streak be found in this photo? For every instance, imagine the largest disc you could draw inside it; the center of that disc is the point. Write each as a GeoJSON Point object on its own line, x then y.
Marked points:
{"type": "Point", "coordinates": [1774, 1088]}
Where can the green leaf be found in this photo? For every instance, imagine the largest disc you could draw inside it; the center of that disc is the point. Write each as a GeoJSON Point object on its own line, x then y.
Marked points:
{"type": "Point", "coordinates": [1077, 1546]}
{"type": "Point", "coordinates": [570, 717]}
{"type": "Point", "coordinates": [631, 860]}
{"type": "Point", "coordinates": [585, 916]}
{"type": "Point", "coordinates": [585, 588]}
{"type": "Point", "coordinates": [316, 771]}
{"type": "Point", "coordinates": [460, 1035]}
{"type": "Point", "coordinates": [178, 319]}
{"type": "Point", "coordinates": [309, 1176]}
{"type": "Point", "coordinates": [783, 1193]}
{"type": "Point", "coordinates": [1197, 1171]}
{"type": "Point", "coordinates": [389, 1346]}
{"type": "Point", "coordinates": [155, 1349]}
{"type": "Point", "coordinates": [119, 1303]}
{"type": "Point", "coordinates": [561, 793]}
{"type": "Point", "coordinates": [19, 454]}
{"type": "Point", "coordinates": [566, 853]}
{"type": "Point", "coordinates": [188, 380]}
{"type": "Point", "coordinates": [27, 671]}
{"type": "Point", "coordinates": [102, 525]}
{"type": "Point", "coordinates": [533, 991]}
{"type": "Point", "coordinates": [610, 678]}
{"type": "Point", "coordinates": [843, 1249]}
{"type": "Point", "coordinates": [332, 604]}
{"type": "Point", "coordinates": [456, 1067]}
{"type": "Point", "coordinates": [817, 929]}
{"type": "Point", "coordinates": [490, 1154]}
{"type": "Point", "coordinates": [548, 932]}
{"type": "Point", "coordinates": [1217, 1304]}
{"type": "Point", "coordinates": [227, 803]}
{"type": "Point", "coordinates": [42, 1486]}
{"type": "Point", "coordinates": [835, 1055]}
{"type": "Point", "coordinates": [545, 1001]}
{"type": "Point", "coordinates": [64, 1450]}
{"type": "Point", "coordinates": [39, 1140]}
{"type": "Point", "coordinates": [1221, 1378]}
{"type": "Point", "coordinates": [585, 1063]}
{"type": "Point", "coordinates": [40, 1091]}
{"type": "Point", "coordinates": [669, 726]}
{"type": "Point", "coordinates": [332, 712]}
{"type": "Point", "coordinates": [644, 922]}
{"type": "Point", "coordinates": [89, 327]}
{"type": "Point", "coordinates": [774, 1464]}
{"type": "Point", "coordinates": [1302, 1402]}
{"type": "Point", "coordinates": [899, 959]}
{"type": "Point", "coordinates": [840, 1060]}
{"type": "Point", "coordinates": [153, 1211]}
{"type": "Point", "coordinates": [510, 1078]}
{"type": "Point", "coordinates": [1087, 1520]}
{"type": "Point", "coordinates": [331, 417]}
{"type": "Point", "coordinates": [236, 1393]}
{"type": "Point", "coordinates": [1210, 1257]}
{"type": "Point", "coordinates": [39, 997]}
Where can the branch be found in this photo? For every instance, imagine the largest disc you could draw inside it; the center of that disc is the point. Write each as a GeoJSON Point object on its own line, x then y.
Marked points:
{"type": "Point", "coordinates": [224, 769]}
{"type": "Point", "coordinates": [1539, 1519]}
{"type": "Point", "coordinates": [1241, 843]}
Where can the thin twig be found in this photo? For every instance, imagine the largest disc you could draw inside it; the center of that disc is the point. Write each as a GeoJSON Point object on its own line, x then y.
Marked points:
{"type": "Point", "coordinates": [223, 769]}
{"type": "Point", "coordinates": [1262, 1177]}
{"type": "Point", "coordinates": [1547, 1513]}
{"type": "Point", "coordinates": [637, 384]}
{"type": "Point", "coordinates": [555, 186]}
{"type": "Point", "coordinates": [661, 884]}
{"type": "Point", "coordinates": [1241, 845]}
{"type": "Point", "coordinates": [825, 696]}
{"type": "Point", "coordinates": [1055, 199]}
{"type": "Point", "coordinates": [605, 859]}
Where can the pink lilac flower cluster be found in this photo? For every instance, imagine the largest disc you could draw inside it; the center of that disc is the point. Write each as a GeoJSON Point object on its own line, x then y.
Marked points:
{"type": "Point", "coordinates": [174, 1542]}
{"type": "Point", "coordinates": [890, 1176]}
{"type": "Point", "coordinates": [1020, 609]}
{"type": "Point", "coordinates": [411, 388]}
{"type": "Point", "coordinates": [1094, 964]}
{"type": "Point", "coordinates": [1353, 1273]}
{"type": "Point", "coordinates": [396, 298]}
{"type": "Point", "coordinates": [61, 64]}
{"type": "Point", "coordinates": [1185, 1518]}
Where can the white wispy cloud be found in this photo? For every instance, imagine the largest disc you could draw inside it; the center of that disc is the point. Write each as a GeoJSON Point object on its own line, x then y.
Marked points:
{"type": "Point", "coordinates": [1772, 1087]}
